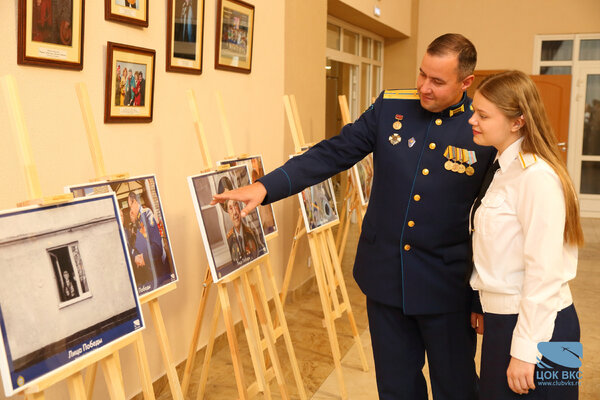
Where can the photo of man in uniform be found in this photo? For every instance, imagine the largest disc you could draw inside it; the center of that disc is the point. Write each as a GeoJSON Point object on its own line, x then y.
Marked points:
{"type": "Point", "coordinates": [147, 253]}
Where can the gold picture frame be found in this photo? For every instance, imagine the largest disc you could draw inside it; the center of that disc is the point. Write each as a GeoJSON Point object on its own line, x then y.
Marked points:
{"type": "Point", "coordinates": [50, 35]}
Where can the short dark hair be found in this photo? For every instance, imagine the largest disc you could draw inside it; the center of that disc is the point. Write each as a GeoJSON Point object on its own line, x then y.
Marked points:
{"type": "Point", "coordinates": [455, 43]}
{"type": "Point", "coordinates": [133, 196]}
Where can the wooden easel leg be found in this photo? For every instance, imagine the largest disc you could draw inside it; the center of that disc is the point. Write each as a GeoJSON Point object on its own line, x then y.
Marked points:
{"type": "Point", "coordinates": [209, 349]}
{"type": "Point", "coordinates": [346, 298]}
{"type": "Point", "coordinates": [253, 338]}
{"type": "Point", "coordinates": [290, 265]}
{"type": "Point", "coordinates": [142, 361]}
{"type": "Point", "coordinates": [233, 343]}
{"type": "Point", "coordinates": [111, 375]}
{"type": "Point", "coordinates": [76, 387]}
{"type": "Point", "coordinates": [90, 379]}
{"type": "Point", "coordinates": [328, 317]}
{"type": "Point", "coordinates": [35, 396]}
{"type": "Point", "coordinates": [191, 358]}
{"type": "Point", "coordinates": [342, 245]}
{"type": "Point", "coordinates": [283, 326]}
{"type": "Point", "coordinates": [262, 310]}
{"type": "Point", "coordinates": [330, 276]}
{"type": "Point", "coordinates": [163, 341]}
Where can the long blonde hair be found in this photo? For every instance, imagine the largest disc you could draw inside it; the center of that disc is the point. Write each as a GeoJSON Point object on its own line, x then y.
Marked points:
{"type": "Point", "coordinates": [515, 94]}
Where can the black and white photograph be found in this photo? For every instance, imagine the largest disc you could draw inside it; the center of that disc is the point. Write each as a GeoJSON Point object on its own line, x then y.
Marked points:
{"type": "Point", "coordinates": [67, 286]}
{"type": "Point", "coordinates": [230, 241]}
{"type": "Point", "coordinates": [362, 176]}
{"type": "Point", "coordinates": [318, 205]}
{"type": "Point", "coordinates": [255, 166]}
{"type": "Point", "coordinates": [145, 228]}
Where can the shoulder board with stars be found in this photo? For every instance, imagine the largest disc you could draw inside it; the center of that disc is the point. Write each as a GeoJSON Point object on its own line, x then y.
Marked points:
{"type": "Point", "coordinates": [527, 159]}
{"type": "Point", "coordinates": [401, 94]}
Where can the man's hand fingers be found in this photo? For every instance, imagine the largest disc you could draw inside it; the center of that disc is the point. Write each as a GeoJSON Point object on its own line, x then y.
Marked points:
{"type": "Point", "coordinates": [249, 207]}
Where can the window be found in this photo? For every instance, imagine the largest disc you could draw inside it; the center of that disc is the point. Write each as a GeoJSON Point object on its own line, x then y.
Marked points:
{"type": "Point", "coordinates": [70, 276]}
{"type": "Point", "coordinates": [361, 53]}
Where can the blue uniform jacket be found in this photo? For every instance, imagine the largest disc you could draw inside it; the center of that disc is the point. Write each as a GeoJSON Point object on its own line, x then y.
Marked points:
{"type": "Point", "coordinates": [414, 251]}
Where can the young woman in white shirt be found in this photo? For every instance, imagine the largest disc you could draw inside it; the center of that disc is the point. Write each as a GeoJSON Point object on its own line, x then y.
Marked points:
{"type": "Point", "coordinates": [525, 242]}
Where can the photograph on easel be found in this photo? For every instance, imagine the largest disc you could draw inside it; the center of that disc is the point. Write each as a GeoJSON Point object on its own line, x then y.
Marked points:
{"type": "Point", "coordinates": [145, 228]}
{"type": "Point", "coordinates": [362, 174]}
{"type": "Point", "coordinates": [318, 205]}
{"type": "Point", "coordinates": [255, 166]}
{"type": "Point", "coordinates": [67, 287]}
{"type": "Point", "coordinates": [230, 240]}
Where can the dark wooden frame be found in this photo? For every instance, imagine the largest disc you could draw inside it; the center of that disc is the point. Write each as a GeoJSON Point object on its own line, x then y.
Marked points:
{"type": "Point", "coordinates": [110, 16]}
{"type": "Point", "coordinates": [111, 47]}
{"type": "Point", "coordinates": [24, 59]}
{"type": "Point", "coordinates": [199, 36]}
{"type": "Point", "coordinates": [226, 67]}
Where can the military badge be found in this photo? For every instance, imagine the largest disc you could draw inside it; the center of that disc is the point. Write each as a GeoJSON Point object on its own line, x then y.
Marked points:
{"type": "Point", "coordinates": [395, 139]}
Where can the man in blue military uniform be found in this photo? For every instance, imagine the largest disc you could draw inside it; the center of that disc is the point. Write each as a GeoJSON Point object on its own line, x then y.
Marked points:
{"type": "Point", "coordinates": [414, 253]}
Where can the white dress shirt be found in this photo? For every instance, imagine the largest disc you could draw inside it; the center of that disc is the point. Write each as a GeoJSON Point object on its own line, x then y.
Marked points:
{"type": "Point", "coordinates": [522, 264]}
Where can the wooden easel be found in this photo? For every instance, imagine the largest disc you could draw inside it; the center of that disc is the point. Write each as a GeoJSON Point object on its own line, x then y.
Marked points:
{"type": "Point", "coordinates": [328, 271]}
{"type": "Point", "coordinates": [351, 200]}
{"type": "Point", "coordinates": [252, 302]}
{"type": "Point", "coordinates": [107, 356]}
{"type": "Point", "coordinates": [151, 298]}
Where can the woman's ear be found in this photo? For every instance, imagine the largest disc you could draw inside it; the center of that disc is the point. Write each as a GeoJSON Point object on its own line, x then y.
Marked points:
{"type": "Point", "coordinates": [518, 123]}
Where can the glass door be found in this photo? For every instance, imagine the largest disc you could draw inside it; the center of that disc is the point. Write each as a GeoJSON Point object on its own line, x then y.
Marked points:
{"type": "Point", "coordinates": [587, 84]}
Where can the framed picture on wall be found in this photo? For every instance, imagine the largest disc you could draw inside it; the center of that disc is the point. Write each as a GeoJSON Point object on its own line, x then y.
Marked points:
{"type": "Point", "coordinates": [231, 241]}
{"type": "Point", "coordinates": [67, 287]}
{"type": "Point", "coordinates": [50, 33]}
{"type": "Point", "coordinates": [185, 33]}
{"type": "Point", "coordinates": [129, 93]}
{"type": "Point", "coordinates": [145, 228]}
{"type": "Point", "coordinates": [235, 27]}
{"type": "Point", "coordinates": [134, 12]}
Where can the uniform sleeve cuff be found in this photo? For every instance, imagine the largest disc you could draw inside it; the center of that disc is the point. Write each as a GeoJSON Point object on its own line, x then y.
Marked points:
{"type": "Point", "coordinates": [278, 185]}
{"type": "Point", "coordinates": [524, 350]}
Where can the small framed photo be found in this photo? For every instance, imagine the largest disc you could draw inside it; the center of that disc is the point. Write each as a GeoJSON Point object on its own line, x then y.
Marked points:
{"type": "Point", "coordinates": [134, 12]}
{"type": "Point", "coordinates": [67, 287]}
{"type": "Point", "coordinates": [362, 176]}
{"type": "Point", "coordinates": [185, 33]}
{"type": "Point", "coordinates": [318, 206]}
{"type": "Point", "coordinates": [145, 228]}
{"type": "Point", "coordinates": [230, 241]}
{"type": "Point", "coordinates": [255, 166]}
{"type": "Point", "coordinates": [50, 33]}
{"type": "Point", "coordinates": [235, 27]}
{"type": "Point", "coordinates": [129, 95]}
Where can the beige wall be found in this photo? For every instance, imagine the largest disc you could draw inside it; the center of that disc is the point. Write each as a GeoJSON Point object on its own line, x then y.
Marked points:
{"type": "Point", "coordinates": [395, 14]}
{"type": "Point", "coordinates": [503, 31]}
{"type": "Point", "coordinates": [304, 77]}
{"type": "Point", "coordinates": [400, 55]}
{"type": "Point", "coordinates": [167, 146]}
{"type": "Point", "coordinates": [504, 41]}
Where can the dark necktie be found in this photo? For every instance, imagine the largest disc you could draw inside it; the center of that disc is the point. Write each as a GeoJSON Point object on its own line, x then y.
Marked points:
{"type": "Point", "coordinates": [487, 180]}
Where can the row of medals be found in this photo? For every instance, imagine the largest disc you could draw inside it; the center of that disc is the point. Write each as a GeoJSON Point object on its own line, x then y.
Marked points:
{"type": "Point", "coordinates": [456, 156]}
{"type": "Point", "coordinates": [459, 167]}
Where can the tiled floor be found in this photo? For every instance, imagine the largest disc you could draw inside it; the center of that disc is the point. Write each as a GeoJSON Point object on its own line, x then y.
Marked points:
{"type": "Point", "coordinates": [314, 356]}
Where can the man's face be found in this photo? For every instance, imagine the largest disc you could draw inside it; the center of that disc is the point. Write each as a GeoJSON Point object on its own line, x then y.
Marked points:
{"type": "Point", "coordinates": [438, 83]}
{"type": "Point", "coordinates": [134, 208]}
{"type": "Point", "coordinates": [234, 213]}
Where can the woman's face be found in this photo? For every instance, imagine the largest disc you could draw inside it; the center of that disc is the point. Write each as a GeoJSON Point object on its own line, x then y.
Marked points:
{"type": "Point", "coordinates": [491, 127]}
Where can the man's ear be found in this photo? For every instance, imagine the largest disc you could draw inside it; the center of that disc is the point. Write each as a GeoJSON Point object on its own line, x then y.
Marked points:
{"type": "Point", "coordinates": [468, 81]}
